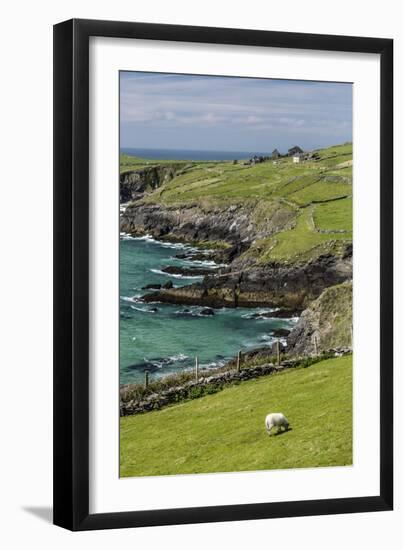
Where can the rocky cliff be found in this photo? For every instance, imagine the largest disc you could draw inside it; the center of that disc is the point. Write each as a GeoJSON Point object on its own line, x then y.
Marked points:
{"type": "Point", "coordinates": [328, 321]}
{"type": "Point", "coordinates": [195, 222]}
{"type": "Point", "coordinates": [134, 183]}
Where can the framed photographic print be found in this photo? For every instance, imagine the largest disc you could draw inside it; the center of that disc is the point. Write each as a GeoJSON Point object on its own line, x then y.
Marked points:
{"type": "Point", "coordinates": [223, 274]}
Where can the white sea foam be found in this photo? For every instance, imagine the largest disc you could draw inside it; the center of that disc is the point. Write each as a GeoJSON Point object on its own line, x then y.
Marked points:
{"type": "Point", "coordinates": [267, 338]}
{"type": "Point", "coordinates": [255, 317]}
{"type": "Point", "coordinates": [159, 363]}
{"type": "Point", "coordinates": [134, 299]}
{"type": "Point", "coordinates": [143, 309]}
{"type": "Point", "coordinates": [176, 275]}
{"type": "Point", "coordinates": [178, 246]}
{"type": "Point", "coordinates": [213, 364]}
{"type": "Point", "coordinates": [204, 263]}
{"type": "Point", "coordinates": [126, 237]}
{"type": "Point", "coordinates": [190, 311]}
{"type": "Point", "coordinates": [183, 312]}
{"type": "Point", "coordinates": [264, 314]}
{"type": "Point", "coordinates": [270, 339]}
{"type": "Point", "coordinates": [153, 362]}
{"type": "Point", "coordinates": [178, 358]}
{"type": "Point", "coordinates": [194, 311]}
{"type": "Point", "coordinates": [147, 238]}
{"type": "Point", "coordinates": [165, 244]}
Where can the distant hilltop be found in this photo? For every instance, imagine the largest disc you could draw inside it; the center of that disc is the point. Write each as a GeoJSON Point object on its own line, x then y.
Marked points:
{"type": "Point", "coordinates": [295, 151]}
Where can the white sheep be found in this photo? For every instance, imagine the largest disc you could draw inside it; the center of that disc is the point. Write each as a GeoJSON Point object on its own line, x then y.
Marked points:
{"type": "Point", "coordinates": [276, 419]}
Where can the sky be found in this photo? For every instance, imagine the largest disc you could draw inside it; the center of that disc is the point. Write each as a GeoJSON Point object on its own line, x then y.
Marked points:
{"type": "Point", "coordinates": [215, 113]}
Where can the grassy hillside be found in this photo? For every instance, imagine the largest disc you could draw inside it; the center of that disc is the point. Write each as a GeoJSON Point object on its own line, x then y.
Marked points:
{"type": "Point", "coordinates": [225, 431]}
{"type": "Point", "coordinates": [315, 197]}
{"type": "Point", "coordinates": [317, 180]}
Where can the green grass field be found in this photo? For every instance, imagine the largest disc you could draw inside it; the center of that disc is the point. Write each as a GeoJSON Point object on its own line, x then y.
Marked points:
{"type": "Point", "coordinates": [301, 240]}
{"type": "Point", "coordinates": [334, 215]}
{"type": "Point", "coordinates": [225, 432]}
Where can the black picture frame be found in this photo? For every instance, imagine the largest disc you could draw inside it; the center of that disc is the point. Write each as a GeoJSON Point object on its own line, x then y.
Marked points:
{"type": "Point", "coordinates": [71, 274]}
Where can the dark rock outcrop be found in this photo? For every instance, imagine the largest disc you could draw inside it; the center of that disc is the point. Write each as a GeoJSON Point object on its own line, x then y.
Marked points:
{"type": "Point", "coordinates": [289, 287]}
{"type": "Point", "coordinates": [207, 311]}
{"type": "Point", "coordinates": [152, 286]}
{"type": "Point", "coordinates": [280, 332]}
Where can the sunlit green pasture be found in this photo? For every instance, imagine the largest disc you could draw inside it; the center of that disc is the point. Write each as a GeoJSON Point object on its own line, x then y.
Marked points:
{"type": "Point", "coordinates": [225, 431]}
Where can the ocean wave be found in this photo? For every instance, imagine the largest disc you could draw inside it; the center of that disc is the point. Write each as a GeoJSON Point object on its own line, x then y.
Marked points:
{"type": "Point", "coordinates": [148, 238]}
{"type": "Point", "coordinates": [270, 339]}
{"type": "Point", "coordinates": [267, 338]}
{"type": "Point", "coordinates": [212, 364]}
{"type": "Point", "coordinates": [144, 309]}
{"type": "Point", "coordinates": [165, 244]}
{"type": "Point", "coordinates": [176, 246]}
{"type": "Point", "coordinates": [176, 275]}
{"type": "Point", "coordinates": [132, 299]}
{"type": "Point", "coordinates": [126, 237]}
{"type": "Point", "coordinates": [257, 316]}
{"type": "Point", "coordinates": [202, 263]}
{"type": "Point", "coordinates": [178, 358]}
{"type": "Point", "coordinates": [159, 363]}
{"type": "Point", "coordinates": [194, 311]}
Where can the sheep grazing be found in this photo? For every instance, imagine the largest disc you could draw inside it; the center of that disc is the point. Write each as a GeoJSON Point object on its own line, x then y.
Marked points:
{"type": "Point", "coordinates": [276, 419]}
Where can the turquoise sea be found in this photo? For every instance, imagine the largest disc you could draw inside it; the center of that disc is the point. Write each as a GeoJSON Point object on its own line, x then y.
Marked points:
{"type": "Point", "coordinates": [188, 154]}
{"type": "Point", "coordinates": [165, 338]}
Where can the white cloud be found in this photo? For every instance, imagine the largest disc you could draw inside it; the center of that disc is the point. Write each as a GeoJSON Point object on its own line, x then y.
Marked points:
{"type": "Point", "coordinates": [174, 102]}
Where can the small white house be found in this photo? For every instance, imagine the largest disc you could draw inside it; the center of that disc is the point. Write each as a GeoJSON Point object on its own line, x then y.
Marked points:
{"type": "Point", "coordinates": [296, 159]}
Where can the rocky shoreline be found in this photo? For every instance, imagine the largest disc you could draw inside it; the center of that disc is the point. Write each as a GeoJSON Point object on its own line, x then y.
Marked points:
{"type": "Point", "coordinates": [276, 286]}
{"type": "Point", "coordinates": [242, 283]}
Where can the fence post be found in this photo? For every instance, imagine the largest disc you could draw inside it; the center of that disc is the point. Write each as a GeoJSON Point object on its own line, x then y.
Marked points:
{"type": "Point", "coordinates": [146, 373]}
{"type": "Point", "coordinates": [315, 344]}
{"type": "Point", "coordinates": [197, 369]}
{"type": "Point", "coordinates": [238, 362]}
{"type": "Point", "coordinates": [278, 352]}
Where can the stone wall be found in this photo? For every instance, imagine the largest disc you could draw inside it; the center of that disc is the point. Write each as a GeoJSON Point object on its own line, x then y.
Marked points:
{"type": "Point", "coordinates": [212, 384]}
